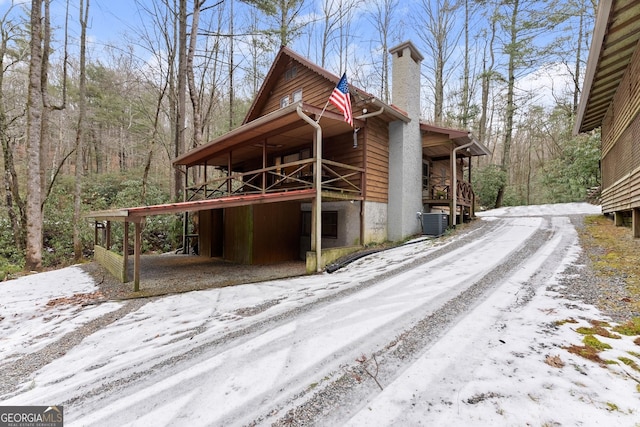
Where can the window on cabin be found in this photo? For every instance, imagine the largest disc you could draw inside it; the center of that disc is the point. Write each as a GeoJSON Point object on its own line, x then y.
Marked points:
{"type": "Point", "coordinates": [297, 95]}
{"type": "Point", "coordinates": [290, 73]}
{"type": "Point", "coordinates": [329, 224]}
{"type": "Point", "coordinates": [284, 101]}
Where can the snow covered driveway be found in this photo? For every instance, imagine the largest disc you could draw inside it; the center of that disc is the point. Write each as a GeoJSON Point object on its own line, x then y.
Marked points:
{"type": "Point", "coordinates": [432, 323]}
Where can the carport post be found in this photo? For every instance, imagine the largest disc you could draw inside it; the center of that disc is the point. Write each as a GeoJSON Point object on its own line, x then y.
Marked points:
{"type": "Point", "coordinates": [125, 251]}
{"type": "Point", "coordinates": [136, 256]}
{"type": "Point", "coordinates": [317, 145]}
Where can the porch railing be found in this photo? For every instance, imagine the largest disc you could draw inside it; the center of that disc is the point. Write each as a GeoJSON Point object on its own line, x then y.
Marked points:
{"type": "Point", "coordinates": [336, 177]}
{"type": "Point", "coordinates": [435, 193]}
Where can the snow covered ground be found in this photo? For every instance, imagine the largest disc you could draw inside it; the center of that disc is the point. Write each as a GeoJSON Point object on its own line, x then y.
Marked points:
{"type": "Point", "coordinates": [252, 353]}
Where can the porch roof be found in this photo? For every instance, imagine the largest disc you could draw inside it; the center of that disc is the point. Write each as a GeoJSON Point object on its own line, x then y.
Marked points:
{"type": "Point", "coordinates": [278, 130]}
{"type": "Point", "coordinates": [615, 38]}
{"type": "Point", "coordinates": [441, 141]}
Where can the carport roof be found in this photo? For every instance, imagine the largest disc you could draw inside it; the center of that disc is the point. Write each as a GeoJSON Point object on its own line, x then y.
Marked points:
{"type": "Point", "coordinates": [137, 214]}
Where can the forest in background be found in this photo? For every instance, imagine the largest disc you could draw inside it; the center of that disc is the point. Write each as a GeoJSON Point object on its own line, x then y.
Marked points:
{"type": "Point", "coordinates": [88, 124]}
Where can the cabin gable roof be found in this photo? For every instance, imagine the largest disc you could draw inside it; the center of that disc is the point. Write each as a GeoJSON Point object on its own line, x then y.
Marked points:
{"type": "Point", "coordinates": [291, 72]}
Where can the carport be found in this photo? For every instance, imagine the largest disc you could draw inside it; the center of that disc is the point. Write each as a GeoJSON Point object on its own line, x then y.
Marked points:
{"type": "Point", "coordinates": [118, 264]}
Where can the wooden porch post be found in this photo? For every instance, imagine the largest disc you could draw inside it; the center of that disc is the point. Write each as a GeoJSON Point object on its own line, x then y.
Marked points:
{"type": "Point", "coordinates": [125, 251]}
{"type": "Point", "coordinates": [618, 219]}
{"type": "Point", "coordinates": [107, 244]}
{"type": "Point", "coordinates": [136, 256]}
{"type": "Point", "coordinates": [472, 209]}
{"type": "Point", "coordinates": [206, 196]}
{"type": "Point", "coordinates": [185, 217]}
{"type": "Point", "coordinates": [452, 191]}
{"type": "Point", "coordinates": [316, 233]}
{"type": "Point", "coordinates": [264, 166]}
{"type": "Point", "coordinates": [229, 188]}
{"type": "Point", "coordinates": [635, 223]}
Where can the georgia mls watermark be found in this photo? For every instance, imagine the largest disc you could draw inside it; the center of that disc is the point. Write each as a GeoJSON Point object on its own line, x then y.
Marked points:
{"type": "Point", "coordinates": [31, 416]}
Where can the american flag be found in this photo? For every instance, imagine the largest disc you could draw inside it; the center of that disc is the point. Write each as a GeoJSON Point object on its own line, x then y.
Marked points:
{"type": "Point", "coordinates": [340, 98]}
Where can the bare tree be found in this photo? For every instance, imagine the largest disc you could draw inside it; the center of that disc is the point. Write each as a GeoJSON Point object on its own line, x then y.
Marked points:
{"type": "Point", "coordinates": [35, 108]}
{"type": "Point", "coordinates": [523, 22]}
{"type": "Point", "coordinates": [382, 20]}
{"type": "Point", "coordinates": [488, 74]}
{"type": "Point", "coordinates": [193, 90]}
{"type": "Point", "coordinates": [80, 134]}
{"type": "Point", "coordinates": [436, 27]}
{"type": "Point", "coordinates": [180, 118]}
{"type": "Point", "coordinates": [11, 55]}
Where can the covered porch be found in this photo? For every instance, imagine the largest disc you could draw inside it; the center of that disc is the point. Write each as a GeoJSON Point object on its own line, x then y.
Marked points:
{"type": "Point", "coordinates": [247, 190]}
{"type": "Point", "coordinates": [447, 171]}
{"type": "Point", "coordinates": [297, 148]}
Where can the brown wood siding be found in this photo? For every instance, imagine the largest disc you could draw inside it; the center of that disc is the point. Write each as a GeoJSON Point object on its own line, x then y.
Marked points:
{"type": "Point", "coordinates": [621, 171]}
{"type": "Point", "coordinates": [210, 232]}
{"type": "Point", "coordinates": [621, 144]}
{"type": "Point", "coordinates": [340, 149]}
{"type": "Point", "coordinates": [624, 195]}
{"type": "Point", "coordinates": [315, 89]}
{"type": "Point", "coordinates": [625, 106]}
{"type": "Point", "coordinates": [238, 232]}
{"type": "Point", "coordinates": [377, 161]}
{"type": "Point", "coordinates": [276, 231]}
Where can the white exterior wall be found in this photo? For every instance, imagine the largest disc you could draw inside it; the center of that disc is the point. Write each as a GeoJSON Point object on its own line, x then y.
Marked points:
{"type": "Point", "coordinates": [348, 226]}
{"type": "Point", "coordinates": [405, 146]}
{"type": "Point", "coordinates": [375, 222]}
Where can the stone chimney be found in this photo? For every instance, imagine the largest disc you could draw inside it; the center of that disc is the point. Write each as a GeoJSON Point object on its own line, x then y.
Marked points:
{"type": "Point", "coordinates": [405, 145]}
{"type": "Point", "coordinates": [405, 90]}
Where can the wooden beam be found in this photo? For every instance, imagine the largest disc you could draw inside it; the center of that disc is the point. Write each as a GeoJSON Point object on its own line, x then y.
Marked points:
{"type": "Point", "coordinates": [618, 219]}
{"type": "Point", "coordinates": [125, 251]}
{"type": "Point", "coordinates": [136, 257]}
{"type": "Point", "coordinates": [635, 223]}
{"type": "Point", "coordinates": [107, 244]}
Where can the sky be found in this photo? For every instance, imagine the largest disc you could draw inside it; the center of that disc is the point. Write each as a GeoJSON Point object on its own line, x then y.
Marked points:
{"type": "Point", "coordinates": [171, 361]}
{"type": "Point", "coordinates": [115, 24]}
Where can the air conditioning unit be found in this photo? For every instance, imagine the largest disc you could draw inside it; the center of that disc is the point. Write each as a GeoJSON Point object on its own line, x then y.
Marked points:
{"type": "Point", "coordinates": [434, 224]}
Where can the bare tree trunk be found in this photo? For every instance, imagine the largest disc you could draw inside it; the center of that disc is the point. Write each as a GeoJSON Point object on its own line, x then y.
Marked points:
{"type": "Point", "coordinates": [381, 19]}
{"type": "Point", "coordinates": [511, 108]}
{"type": "Point", "coordinates": [181, 95]}
{"type": "Point", "coordinates": [435, 30]}
{"type": "Point", "coordinates": [576, 77]}
{"type": "Point", "coordinates": [13, 200]}
{"type": "Point", "coordinates": [465, 76]}
{"type": "Point", "coordinates": [487, 75]}
{"type": "Point", "coordinates": [80, 143]}
{"type": "Point", "coordinates": [231, 53]}
{"type": "Point", "coordinates": [33, 255]}
{"type": "Point", "coordinates": [193, 91]}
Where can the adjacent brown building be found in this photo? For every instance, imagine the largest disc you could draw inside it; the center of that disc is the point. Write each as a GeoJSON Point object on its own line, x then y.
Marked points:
{"type": "Point", "coordinates": [611, 100]}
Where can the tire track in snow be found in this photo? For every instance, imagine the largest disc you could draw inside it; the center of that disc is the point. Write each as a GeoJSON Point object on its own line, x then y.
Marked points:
{"type": "Point", "coordinates": [535, 272]}
{"type": "Point", "coordinates": [346, 393]}
{"type": "Point", "coordinates": [226, 370]}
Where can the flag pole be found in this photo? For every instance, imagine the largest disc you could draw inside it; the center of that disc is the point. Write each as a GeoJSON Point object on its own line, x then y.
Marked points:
{"type": "Point", "coordinates": [323, 110]}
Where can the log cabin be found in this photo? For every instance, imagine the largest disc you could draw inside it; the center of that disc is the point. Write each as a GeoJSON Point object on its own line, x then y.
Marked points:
{"type": "Point", "coordinates": [610, 100]}
{"type": "Point", "coordinates": [297, 181]}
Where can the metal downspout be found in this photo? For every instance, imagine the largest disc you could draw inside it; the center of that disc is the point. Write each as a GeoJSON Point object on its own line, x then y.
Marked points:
{"type": "Point", "coordinates": [318, 184]}
{"type": "Point", "coordinates": [454, 179]}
